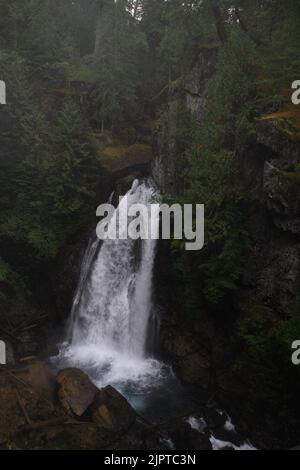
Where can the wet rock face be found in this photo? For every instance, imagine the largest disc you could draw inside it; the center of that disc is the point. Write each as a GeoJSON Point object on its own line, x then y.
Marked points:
{"type": "Point", "coordinates": [167, 165]}
{"type": "Point", "coordinates": [195, 81]}
{"type": "Point", "coordinates": [67, 412]}
{"type": "Point", "coordinates": [111, 411]}
{"type": "Point", "coordinates": [284, 150]}
{"type": "Point", "coordinates": [66, 274]}
{"type": "Point", "coordinates": [76, 392]}
{"type": "Point", "coordinates": [280, 195]}
{"type": "Point", "coordinates": [190, 358]}
{"type": "Point", "coordinates": [186, 438]}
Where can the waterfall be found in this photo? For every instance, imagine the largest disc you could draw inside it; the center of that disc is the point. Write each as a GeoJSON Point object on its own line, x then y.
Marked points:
{"type": "Point", "coordinates": [85, 268]}
{"type": "Point", "coordinates": [87, 262]}
{"type": "Point", "coordinates": [110, 321]}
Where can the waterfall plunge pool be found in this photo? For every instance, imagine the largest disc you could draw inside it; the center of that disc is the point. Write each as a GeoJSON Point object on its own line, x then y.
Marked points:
{"type": "Point", "coordinates": [150, 385]}
{"type": "Point", "coordinates": [112, 323]}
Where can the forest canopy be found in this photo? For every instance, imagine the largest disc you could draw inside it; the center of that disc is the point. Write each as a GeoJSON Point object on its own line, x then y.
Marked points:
{"type": "Point", "coordinates": [75, 69]}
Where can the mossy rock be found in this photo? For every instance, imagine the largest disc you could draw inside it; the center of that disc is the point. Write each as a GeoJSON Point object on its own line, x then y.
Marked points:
{"type": "Point", "coordinates": [287, 122]}
{"type": "Point", "coordinates": [117, 159]}
{"type": "Point", "coordinates": [176, 85]}
{"type": "Point", "coordinates": [293, 177]}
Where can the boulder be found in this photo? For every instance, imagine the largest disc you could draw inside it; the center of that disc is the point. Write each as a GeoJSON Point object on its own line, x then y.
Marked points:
{"type": "Point", "coordinates": [186, 438]}
{"type": "Point", "coordinates": [76, 392]}
{"type": "Point", "coordinates": [214, 418]}
{"type": "Point", "coordinates": [30, 421]}
{"type": "Point", "coordinates": [111, 411]}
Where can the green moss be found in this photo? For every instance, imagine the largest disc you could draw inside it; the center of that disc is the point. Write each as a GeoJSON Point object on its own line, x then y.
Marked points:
{"type": "Point", "coordinates": [151, 125]}
{"type": "Point", "coordinates": [176, 85]}
{"type": "Point", "coordinates": [286, 122]}
{"type": "Point", "coordinates": [293, 177]}
{"type": "Point", "coordinates": [112, 152]}
{"type": "Point", "coordinates": [254, 324]}
{"type": "Point", "coordinates": [140, 149]}
{"type": "Point", "coordinates": [116, 158]}
{"type": "Point", "coordinates": [81, 73]}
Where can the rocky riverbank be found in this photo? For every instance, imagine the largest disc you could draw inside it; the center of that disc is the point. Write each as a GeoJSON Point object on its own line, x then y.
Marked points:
{"type": "Point", "coordinates": [44, 410]}
{"type": "Point", "coordinates": [66, 411]}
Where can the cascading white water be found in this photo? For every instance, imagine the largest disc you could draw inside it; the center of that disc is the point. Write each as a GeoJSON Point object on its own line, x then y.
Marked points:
{"type": "Point", "coordinates": [114, 309]}
{"type": "Point", "coordinates": [84, 272]}
{"type": "Point", "coordinates": [110, 321]}
{"type": "Point", "coordinates": [111, 315]}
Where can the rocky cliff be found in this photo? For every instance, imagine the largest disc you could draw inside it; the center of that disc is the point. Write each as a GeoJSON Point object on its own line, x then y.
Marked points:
{"type": "Point", "coordinates": [230, 351]}
{"type": "Point", "coordinates": [273, 266]}
{"type": "Point", "coordinates": [269, 172]}
{"type": "Point", "coordinates": [186, 93]}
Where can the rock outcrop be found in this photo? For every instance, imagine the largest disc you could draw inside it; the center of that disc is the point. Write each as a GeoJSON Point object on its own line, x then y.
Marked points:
{"type": "Point", "coordinates": [76, 392]}
{"type": "Point", "coordinates": [186, 438]}
{"type": "Point", "coordinates": [168, 164]}
{"type": "Point", "coordinates": [196, 79]}
{"type": "Point", "coordinates": [269, 289]}
{"type": "Point", "coordinates": [189, 357]}
{"type": "Point", "coordinates": [121, 161]}
{"type": "Point", "coordinates": [273, 267]}
{"type": "Point", "coordinates": [67, 412]}
{"type": "Point", "coordinates": [112, 412]}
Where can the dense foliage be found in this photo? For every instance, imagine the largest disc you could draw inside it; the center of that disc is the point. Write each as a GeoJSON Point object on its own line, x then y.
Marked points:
{"type": "Point", "coordinates": [77, 68]}
{"type": "Point", "coordinates": [87, 78]}
{"type": "Point", "coordinates": [249, 81]}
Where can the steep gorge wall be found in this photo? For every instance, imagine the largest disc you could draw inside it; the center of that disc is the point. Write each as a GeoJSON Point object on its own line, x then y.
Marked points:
{"type": "Point", "coordinates": [268, 170]}
{"type": "Point", "coordinates": [273, 267]}
{"type": "Point", "coordinates": [208, 351]}
{"type": "Point", "coordinates": [188, 92]}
